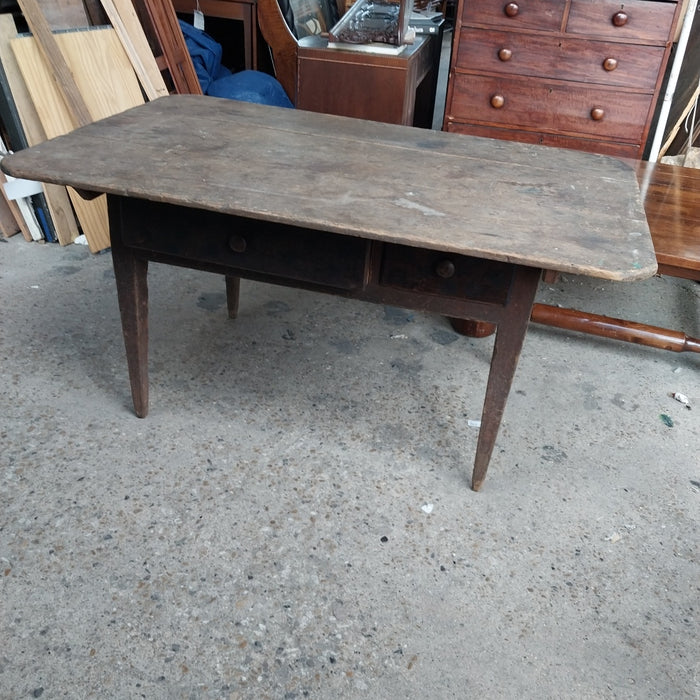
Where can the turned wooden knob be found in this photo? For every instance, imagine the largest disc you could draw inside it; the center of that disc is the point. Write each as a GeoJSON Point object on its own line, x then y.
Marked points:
{"type": "Point", "coordinates": [497, 101]}
{"type": "Point", "coordinates": [505, 54]}
{"type": "Point", "coordinates": [237, 243]}
{"type": "Point", "coordinates": [597, 113]}
{"type": "Point", "coordinates": [619, 19]}
{"type": "Point", "coordinates": [610, 64]}
{"type": "Point", "coordinates": [511, 9]}
{"type": "Point", "coordinates": [445, 269]}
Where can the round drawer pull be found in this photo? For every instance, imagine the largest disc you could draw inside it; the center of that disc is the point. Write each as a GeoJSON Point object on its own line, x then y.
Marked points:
{"type": "Point", "coordinates": [497, 101]}
{"type": "Point", "coordinates": [445, 269]}
{"type": "Point", "coordinates": [505, 55]}
{"type": "Point", "coordinates": [619, 19]}
{"type": "Point", "coordinates": [597, 113]}
{"type": "Point", "coordinates": [237, 243]}
{"type": "Point", "coordinates": [610, 64]}
{"type": "Point", "coordinates": [511, 9]}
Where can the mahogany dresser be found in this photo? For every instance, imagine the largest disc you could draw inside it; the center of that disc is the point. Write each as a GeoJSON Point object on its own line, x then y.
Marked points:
{"type": "Point", "coordinates": [581, 74]}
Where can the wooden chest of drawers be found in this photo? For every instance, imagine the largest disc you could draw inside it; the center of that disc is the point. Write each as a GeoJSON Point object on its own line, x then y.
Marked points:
{"type": "Point", "coordinates": [582, 74]}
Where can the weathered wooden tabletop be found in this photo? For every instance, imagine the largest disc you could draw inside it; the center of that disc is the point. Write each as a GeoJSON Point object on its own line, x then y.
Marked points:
{"type": "Point", "coordinates": [537, 206]}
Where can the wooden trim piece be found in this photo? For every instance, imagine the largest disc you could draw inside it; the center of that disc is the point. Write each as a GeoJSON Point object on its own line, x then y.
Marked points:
{"type": "Point", "coordinates": [65, 14]}
{"type": "Point", "coordinates": [126, 23]}
{"type": "Point", "coordinates": [172, 43]}
{"type": "Point", "coordinates": [58, 68]}
{"type": "Point", "coordinates": [283, 45]}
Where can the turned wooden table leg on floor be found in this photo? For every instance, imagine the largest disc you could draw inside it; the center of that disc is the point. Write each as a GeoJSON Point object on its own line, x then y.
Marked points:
{"type": "Point", "coordinates": [510, 335]}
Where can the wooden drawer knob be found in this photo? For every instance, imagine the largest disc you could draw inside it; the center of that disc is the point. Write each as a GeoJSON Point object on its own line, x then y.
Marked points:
{"type": "Point", "coordinates": [237, 243]}
{"type": "Point", "coordinates": [619, 19]}
{"type": "Point", "coordinates": [445, 269]}
{"type": "Point", "coordinates": [497, 101]}
{"type": "Point", "coordinates": [610, 64]}
{"type": "Point", "coordinates": [511, 9]}
{"type": "Point", "coordinates": [597, 113]}
{"type": "Point", "coordinates": [505, 54]}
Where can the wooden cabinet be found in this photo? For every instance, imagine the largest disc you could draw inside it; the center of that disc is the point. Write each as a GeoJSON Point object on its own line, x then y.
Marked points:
{"type": "Point", "coordinates": [397, 89]}
{"type": "Point", "coordinates": [582, 74]}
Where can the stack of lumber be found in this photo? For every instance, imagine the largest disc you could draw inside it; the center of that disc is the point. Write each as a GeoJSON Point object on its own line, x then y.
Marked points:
{"type": "Point", "coordinates": [79, 61]}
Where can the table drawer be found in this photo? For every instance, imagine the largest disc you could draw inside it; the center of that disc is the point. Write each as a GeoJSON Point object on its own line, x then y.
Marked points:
{"type": "Point", "coordinates": [444, 274]}
{"type": "Point", "coordinates": [564, 108]}
{"type": "Point", "coordinates": [517, 14]}
{"type": "Point", "coordinates": [640, 20]}
{"type": "Point", "coordinates": [516, 53]}
{"type": "Point", "coordinates": [243, 245]}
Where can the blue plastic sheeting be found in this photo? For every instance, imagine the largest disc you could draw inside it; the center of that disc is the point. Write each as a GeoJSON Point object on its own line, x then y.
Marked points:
{"type": "Point", "coordinates": [218, 81]}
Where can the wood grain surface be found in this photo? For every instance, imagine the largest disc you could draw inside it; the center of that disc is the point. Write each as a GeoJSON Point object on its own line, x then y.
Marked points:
{"type": "Point", "coordinates": [542, 207]}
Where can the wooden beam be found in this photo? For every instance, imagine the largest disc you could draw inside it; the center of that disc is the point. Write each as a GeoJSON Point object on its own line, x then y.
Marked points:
{"type": "Point", "coordinates": [58, 68]}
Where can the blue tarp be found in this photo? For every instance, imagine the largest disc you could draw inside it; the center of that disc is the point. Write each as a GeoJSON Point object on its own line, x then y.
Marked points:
{"type": "Point", "coordinates": [219, 81]}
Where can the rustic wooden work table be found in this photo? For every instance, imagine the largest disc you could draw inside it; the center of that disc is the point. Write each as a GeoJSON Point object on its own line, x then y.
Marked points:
{"type": "Point", "coordinates": [456, 225]}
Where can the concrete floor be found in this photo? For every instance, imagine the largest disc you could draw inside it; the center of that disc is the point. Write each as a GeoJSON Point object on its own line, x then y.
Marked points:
{"type": "Point", "coordinates": [293, 519]}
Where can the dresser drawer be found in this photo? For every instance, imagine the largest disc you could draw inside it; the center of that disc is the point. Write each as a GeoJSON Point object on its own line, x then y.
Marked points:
{"type": "Point", "coordinates": [446, 274]}
{"type": "Point", "coordinates": [546, 15]}
{"type": "Point", "coordinates": [640, 20]}
{"type": "Point", "coordinates": [608, 148]}
{"type": "Point", "coordinates": [565, 108]}
{"type": "Point", "coordinates": [241, 245]}
{"type": "Point", "coordinates": [605, 63]}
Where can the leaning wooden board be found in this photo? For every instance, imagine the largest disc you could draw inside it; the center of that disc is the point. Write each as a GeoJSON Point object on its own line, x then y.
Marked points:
{"type": "Point", "coordinates": [57, 198]}
{"type": "Point", "coordinates": [108, 85]}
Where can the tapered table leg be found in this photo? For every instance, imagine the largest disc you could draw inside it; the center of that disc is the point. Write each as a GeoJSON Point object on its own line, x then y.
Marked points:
{"type": "Point", "coordinates": [233, 292]}
{"type": "Point", "coordinates": [506, 353]}
{"type": "Point", "coordinates": [130, 273]}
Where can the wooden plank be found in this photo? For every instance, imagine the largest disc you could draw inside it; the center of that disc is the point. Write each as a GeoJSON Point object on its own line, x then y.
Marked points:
{"type": "Point", "coordinates": [58, 69]}
{"type": "Point", "coordinates": [20, 207]}
{"type": "Point", "coordinates": [65, 14]}
{"type": "Point", "coordinates": [15, 213]}
{"type": "Point", "coordinates": [104, 76]}
{"type": "Point", "coordinates": [123, 17]}
{"type": "Point", "coordinates": [9, 225]}
{"type": "Point", "coordinates": [57, 197]}
{"type": "Point", "coordinates": [172, 43]}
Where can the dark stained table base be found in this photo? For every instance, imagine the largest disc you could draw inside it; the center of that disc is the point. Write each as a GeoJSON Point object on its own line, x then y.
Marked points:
{"type": "Point", "coordinates": [457, 286]}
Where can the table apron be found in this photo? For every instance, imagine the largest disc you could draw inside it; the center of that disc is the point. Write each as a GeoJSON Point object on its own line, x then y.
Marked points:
{"type": "Point", "coordinates": [454, 285]}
